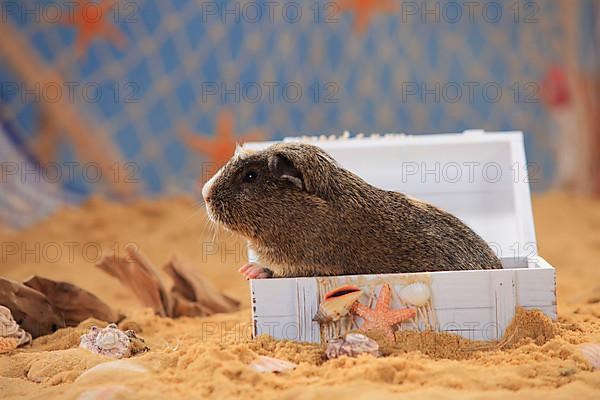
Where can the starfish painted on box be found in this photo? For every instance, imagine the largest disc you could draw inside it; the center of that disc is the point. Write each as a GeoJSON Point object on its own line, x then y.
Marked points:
{"type": "Point", "coordinates": [377, 307]}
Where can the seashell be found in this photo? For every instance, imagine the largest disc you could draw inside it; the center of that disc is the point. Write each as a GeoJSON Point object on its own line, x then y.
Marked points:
{"type": "Point", "coordinates": [136, 343]}
{"type": "Point", "coordinates": [111, 339]}
{"type": "Point", "coordinates": [271, 364]}
{"type": "Point", "coordinates": [353, 345]}
{"type": "Point", "coordinates": [337, 303]}
{"type": "Point", "coordinates": [416, 294]}
{"type": "Point", "coordinates": [105, 392]}
{"type": "Point", "coordinates": [8, 344]}
{"type": "Point", "coordinates": [591, 352]}
{"type": "Point", "coordinates": [11, 334]}
{"type": "Point", "coordinates": [117, 368]}
{"type": "Point", "coordinates": [112, 342]}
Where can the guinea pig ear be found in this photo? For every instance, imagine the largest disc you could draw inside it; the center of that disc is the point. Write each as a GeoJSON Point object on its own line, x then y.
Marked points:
{"type": "Point", "coordinates": [282, 168]}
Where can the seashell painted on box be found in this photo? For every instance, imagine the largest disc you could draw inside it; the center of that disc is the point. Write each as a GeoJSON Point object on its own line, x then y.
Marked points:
{"type": "Point", "coordinates": [112, 342]}
{"type": "Point", "coordinates": [416, 294]}
{"type": "Point", "coordinates": [352, 345]}
{"type": "Point", "coordinates": [271, 364]}
{"type": "Point", "coordinates": [591, 352]}
{"type": "Point", "coordinates": [337, 303]}
{"type": "Point", "coordinates": [11, 334]}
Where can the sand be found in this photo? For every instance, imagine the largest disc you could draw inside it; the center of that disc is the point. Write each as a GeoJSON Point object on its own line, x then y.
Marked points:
{"type": "Point", "coordinates": [208, 357]}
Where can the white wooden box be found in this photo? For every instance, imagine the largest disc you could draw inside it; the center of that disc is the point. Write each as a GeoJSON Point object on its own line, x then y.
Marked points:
{"type": "Point", "coordinates": [481, 178]}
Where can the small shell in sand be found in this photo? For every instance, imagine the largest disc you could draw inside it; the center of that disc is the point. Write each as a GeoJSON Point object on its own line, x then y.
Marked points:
{"type": "Point", "coordinates": [112, 369]}
{"type": "Point", "coordinates": [353, 345]}
{"type": "Point", "coordinates": [416, 294]}
{"type": "Point", "coordinates": [11, 334]}
{"type": "Point", "coordinates": [337, 304]}
{"type": "Point", "coordinates": [591, 352]}
{"type": "Point", "coordinates": [270, 364]}
{"type": "Point", "coordinates": [7, 344]}
{"type": "Point", "coordinates": [112, 342]}
{"type": "Point", "coordinates": [106, 392]}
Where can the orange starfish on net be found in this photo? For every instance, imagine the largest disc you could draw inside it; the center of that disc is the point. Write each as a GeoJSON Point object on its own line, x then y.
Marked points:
{"type": "Point", "coordinates": [92, 22]}
{"type": "Point", "coordinates": [383, 318]}
{"type": "Point", "coordinates": [220, 147]}
{"type": "Point", "coordinates": [365, 10]}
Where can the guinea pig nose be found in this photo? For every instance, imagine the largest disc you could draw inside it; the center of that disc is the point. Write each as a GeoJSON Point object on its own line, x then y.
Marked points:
{"type": "Point", "coordinates": [206, 189]}
{"type": "Point", "coordinates": [206, 192]}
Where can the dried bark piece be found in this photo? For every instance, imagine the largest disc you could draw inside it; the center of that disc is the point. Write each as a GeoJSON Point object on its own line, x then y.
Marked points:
{"type": "Point", "coordinates": [194, 294]}
{"type": "Point", "coordinates": [75, 303]}
{"type": "Point", "coordinates": [137, 273]}
{"type": "Point", "coordinates": [11, 334]}
{"type": "Point", "coordinates": [184, 307]}
{"type": "Point", "coordinates": [31, 309]}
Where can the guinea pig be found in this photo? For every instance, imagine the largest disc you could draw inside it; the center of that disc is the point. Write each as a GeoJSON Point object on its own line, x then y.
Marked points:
{"type": "Point", "coordinates": [305, 215]}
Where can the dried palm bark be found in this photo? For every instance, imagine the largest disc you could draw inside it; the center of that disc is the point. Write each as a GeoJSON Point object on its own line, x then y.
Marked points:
{"type": "Point", "coordinates": [31, 309]}
{"type": "Point", "coordinates": [194, 294]}
{"type": "Point", "coordinates": [137, 273]}
{"type": "Point", "coordinates": [74, 303]}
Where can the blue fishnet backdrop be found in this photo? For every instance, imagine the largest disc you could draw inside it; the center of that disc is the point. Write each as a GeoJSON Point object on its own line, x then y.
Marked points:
{"type": "Point", "coordinates": [288, 69]}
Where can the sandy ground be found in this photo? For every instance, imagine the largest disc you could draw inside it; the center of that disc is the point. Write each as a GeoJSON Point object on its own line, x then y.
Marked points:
{"type": "Point", "coordinates": [208, 357]}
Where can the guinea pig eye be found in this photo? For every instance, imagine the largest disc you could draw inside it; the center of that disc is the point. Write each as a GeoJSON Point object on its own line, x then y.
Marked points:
{"type": "Point", "coordinates": [250, 176]}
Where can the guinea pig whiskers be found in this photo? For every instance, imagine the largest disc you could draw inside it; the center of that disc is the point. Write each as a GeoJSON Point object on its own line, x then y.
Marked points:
{"type": "Point", "coordinates": [196, 211]}
{"type": "Point", "coordinates": [206, 224]}
{"type": "Point", "coordinates": [214, 229]}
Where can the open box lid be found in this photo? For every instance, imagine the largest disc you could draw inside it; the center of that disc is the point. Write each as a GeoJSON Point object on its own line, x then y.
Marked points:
{"type": "Point", "coordinates": [482, 178]}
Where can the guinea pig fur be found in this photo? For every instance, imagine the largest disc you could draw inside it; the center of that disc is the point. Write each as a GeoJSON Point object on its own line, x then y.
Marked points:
{"type": "Point", "coordinates": [305, 215]}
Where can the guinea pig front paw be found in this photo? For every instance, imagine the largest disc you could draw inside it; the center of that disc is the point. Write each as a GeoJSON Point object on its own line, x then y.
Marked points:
{"type": "Point", "coordinates": [255, 271]}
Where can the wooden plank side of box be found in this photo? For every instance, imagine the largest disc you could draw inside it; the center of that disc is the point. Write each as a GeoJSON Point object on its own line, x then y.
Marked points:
{"type": "Point", "coordinates": [283, 308]}
{"type": "Point", "coordinates": [475, 304]}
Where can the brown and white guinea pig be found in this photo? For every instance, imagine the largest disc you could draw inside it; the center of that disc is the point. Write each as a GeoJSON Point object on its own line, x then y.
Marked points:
{"type": "Point", "coordinates": [304, 215]}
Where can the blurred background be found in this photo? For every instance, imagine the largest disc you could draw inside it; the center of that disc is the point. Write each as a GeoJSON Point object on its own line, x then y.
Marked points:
{"type": "Point", "coordinates": [142, 98]}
